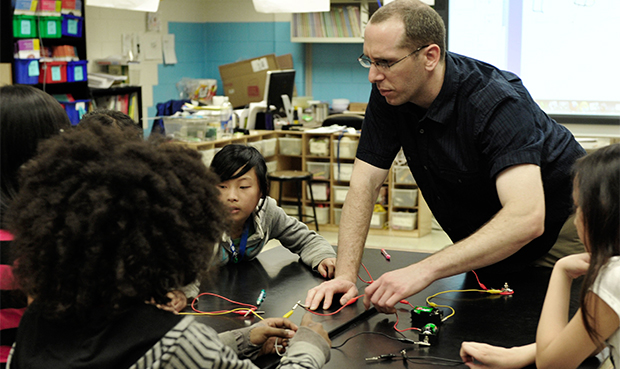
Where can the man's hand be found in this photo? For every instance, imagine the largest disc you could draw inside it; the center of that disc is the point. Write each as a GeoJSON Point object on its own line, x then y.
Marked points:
{"type": "Point", "coordinates": [326, 290]}
{"type": "Point", "coordinates": [394, 286]}
{"type": "Point", "coordinates": [327, 267]}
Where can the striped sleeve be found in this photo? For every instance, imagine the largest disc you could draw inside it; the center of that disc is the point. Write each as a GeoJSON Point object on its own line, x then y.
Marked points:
{"type": "Point", "coordinates": [191, 345]}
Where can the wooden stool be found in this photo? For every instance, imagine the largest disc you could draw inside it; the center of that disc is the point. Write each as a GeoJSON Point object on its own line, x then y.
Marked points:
{"type": "Point", "coordinates": [298, 177]}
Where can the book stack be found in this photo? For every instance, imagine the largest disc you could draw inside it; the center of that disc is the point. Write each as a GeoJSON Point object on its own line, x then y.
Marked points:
{"type": "Point", "coordinates": [340, 21]}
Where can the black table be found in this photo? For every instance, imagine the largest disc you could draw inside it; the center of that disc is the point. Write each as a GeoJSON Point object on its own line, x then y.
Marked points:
{"type": "Point", "coordinates": [499, 320]}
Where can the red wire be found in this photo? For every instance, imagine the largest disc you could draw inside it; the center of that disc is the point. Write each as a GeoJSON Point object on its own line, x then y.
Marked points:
{"type": "Point", "coordinates": [223, 298]}
{"type": "Point", "coordinates": [479, 283]}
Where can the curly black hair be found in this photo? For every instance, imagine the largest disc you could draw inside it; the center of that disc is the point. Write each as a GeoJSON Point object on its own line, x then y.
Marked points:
{"type": "Point", "coordinates": [107, 220]}
{"type": "Point", "coordinates": [109, 117]}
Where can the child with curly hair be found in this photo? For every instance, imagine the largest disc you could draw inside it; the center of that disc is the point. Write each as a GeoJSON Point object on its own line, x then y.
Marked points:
{"type": "Point", "coordinates": [561, 343]}
{"type": "Point", "coordinates": [106, 222]}
{"type": "Point", "coordinates": [256, 217]}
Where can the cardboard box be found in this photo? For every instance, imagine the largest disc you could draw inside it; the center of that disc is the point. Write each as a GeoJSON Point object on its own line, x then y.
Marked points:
{"type": "Point", "coordinates": [6, 74]}
{"type": "Point", "coordinates": [244, 81]}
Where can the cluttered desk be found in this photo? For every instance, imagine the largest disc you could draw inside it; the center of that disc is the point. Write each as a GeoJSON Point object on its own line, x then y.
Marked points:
{"type": "Point", "coordinates": [418, 334]}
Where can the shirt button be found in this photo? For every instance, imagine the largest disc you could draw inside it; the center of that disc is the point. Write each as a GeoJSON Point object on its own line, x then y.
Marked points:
{"type": "Point", "coordinates": [421, 130]}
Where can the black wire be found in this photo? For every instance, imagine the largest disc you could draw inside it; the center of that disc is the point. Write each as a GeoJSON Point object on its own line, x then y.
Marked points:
{"type": "Point", "coordinates": [428, 360]}
{"type": "Point", "coordinates": [406, 340]}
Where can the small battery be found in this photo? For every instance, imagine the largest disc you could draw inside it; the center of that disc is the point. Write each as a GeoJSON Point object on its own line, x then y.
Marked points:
{"type": "Point", "coordinates": [422, 315]}
{"type": "Point", "coordinates": [429, 334]}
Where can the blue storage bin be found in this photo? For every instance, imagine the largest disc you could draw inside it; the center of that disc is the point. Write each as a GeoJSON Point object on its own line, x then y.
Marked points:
{"type": "Point", "coordinates": [72, 25]}
{"type": "Point", "coordinates": [26, 71]}
{"type": "Point", "coordinates": [75, 110]}
{"type": "Point", "coordinates": [76, 71]}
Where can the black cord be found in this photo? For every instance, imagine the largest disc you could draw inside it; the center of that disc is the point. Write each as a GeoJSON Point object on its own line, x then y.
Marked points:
{"type": "Point", "coordinates": [429, 361]}
{"type": "Point", "coordinates": [405, 340]}
{"type": "Point", "coordinates": [432, 360]}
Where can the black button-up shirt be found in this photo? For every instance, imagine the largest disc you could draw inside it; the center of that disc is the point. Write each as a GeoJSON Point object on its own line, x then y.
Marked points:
{"type": "Point", "coordinates": [482, 122]}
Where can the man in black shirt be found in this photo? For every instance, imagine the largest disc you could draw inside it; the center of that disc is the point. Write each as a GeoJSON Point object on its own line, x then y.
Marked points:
{"type": "Point", "coordinates": [493, 167]}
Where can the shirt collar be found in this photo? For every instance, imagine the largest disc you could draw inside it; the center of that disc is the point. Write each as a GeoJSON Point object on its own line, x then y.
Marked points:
{"type": "Point", "coordinates": [442, 107]}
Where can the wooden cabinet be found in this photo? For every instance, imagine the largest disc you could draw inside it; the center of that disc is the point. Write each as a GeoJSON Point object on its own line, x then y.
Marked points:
{"type": "Point", "coordinates": [330, 157]}
{"type": "Point", "coordinates": [344, 23]}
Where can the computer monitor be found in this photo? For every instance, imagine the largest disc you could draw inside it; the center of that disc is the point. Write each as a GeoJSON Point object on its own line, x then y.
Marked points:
{"type": "Point", "coordinates": [278, 83]}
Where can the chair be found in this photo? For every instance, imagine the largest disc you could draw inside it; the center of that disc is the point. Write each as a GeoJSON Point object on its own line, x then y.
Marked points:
{"type": "Point", "coordinates": [349, 120]}
{"type": "Point", "coordinates": [297, 177]}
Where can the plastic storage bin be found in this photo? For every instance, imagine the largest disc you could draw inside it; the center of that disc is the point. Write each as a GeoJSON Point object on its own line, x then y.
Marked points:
{"type": "Point", "coordinates": [272, 166]}
{"type": "Point", "coordinates": [340, 193]}
{"type": "Point", "coordinates": [49, 6]}
{"type": "Point", "coordinates": [25, 6]}
{"type": "Point", "coordinates": [342, 172]}
{"type": "Point", "coordinates": [269, 147]}
{"type": "Point", "coordinates": [404, 221]}
{"type": "Point", "coordinates": [290, 145]}
{"type": "Point", "coordinates": [320, 191]}
{"type": "Point", "coordinates": [348, 148]}
{"type": "Point", "coordinates": [258, 145]}
{"type": "Point", "coordinates": [76, 71]}
{"type": "Point", "coordinates": [319, 146]}
{"type": "Point", "coordinates": [72, 25]}
{"type": "Point", "coordinates": [402, 175]}
{"type": "Point", "coordinates": [75, 109]}
{"type": "Point", "coordinates": [26, 71]}
{"type": "Point", "coordinates": [404, 198]}
{"type": "Point", "coordinates": [207, 156]}
{"type": "Point", "coordinates": [378, 219]}
{"type": "Point", "coordinates": [322, 213]}
{"type": "Point", "coordinates": [337, 215]}
{"type": "Point", "coordinates": [189, 129]}
{"type": "Point", "coordinates": [53, 72]}
{"type": "Point", "coordinates": [50, 27]}
{"type": "Point", "coordinates": [319, 170]}
{"type": "Point", "coordinates": [24, 26]}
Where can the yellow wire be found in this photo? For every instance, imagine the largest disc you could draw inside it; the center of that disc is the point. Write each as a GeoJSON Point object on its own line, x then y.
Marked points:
{"type": "Point", "coordinates": [432, 304]}
{"type": "Point", "coordinates": [224, 312]}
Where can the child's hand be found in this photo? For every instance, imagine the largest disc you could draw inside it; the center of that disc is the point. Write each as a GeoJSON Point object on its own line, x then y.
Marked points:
{"type": "Point", "coordinates": [265, 331]}
{"type": "Point", "coordinates": [574, 265]}
{"type": "Point", "coordinates": [327, 268]}
{"type": "Point", "coordinates": [178, 300]}
{"type": "Point", "coordinates": [307, 321]}
{"type": "Point", "coordinates": [481, 355]}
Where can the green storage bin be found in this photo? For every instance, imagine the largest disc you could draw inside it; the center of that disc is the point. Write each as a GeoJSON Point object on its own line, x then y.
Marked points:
{"type": "Point", "coordinates": [50, 27]}
{"type": "Point", "coordinates": [24, 26]}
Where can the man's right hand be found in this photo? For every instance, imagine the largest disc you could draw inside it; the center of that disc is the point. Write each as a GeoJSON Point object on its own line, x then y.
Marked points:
{"type": "Point", "coordinates": [325, 292]}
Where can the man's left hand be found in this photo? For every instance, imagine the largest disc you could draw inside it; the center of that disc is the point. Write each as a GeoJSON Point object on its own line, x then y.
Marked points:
{"type": "Point", "coordinates": [385, 292]}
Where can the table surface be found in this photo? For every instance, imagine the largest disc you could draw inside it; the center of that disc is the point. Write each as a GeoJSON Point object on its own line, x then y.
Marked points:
{"type": "Point", "coordinates": [499, 320]}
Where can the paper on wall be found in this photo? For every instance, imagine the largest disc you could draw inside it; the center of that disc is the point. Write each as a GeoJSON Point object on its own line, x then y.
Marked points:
{"type": "Point", "coordinates": [170, 56]}
{"type": "Point", "coordinates": [139, 5]}
{"type": "Point", "coordinates": [288, 6]}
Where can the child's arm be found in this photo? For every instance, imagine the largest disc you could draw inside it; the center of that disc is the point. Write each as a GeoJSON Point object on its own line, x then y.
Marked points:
{"type": "Point", "coordinates": [481, 355]}
{"type": "Point", "coordinates": [295, 236]}
{"type": "Point", "coordinates": [566, 345]}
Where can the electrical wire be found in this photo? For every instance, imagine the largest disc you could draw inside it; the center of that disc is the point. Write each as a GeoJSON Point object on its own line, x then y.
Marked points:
{"type": "Point", "coordinates": [252, 308]}
{"type": "Point", "coordinates": [405, 340]}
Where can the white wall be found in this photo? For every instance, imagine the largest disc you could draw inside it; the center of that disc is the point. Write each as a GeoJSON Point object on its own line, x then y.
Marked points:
{"type": "Point", "coordinates": [105, 27]}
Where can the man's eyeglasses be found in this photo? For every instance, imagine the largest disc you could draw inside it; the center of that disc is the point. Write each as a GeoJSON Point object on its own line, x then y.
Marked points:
{"type": "Point", "coordinates": [384, 65]}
